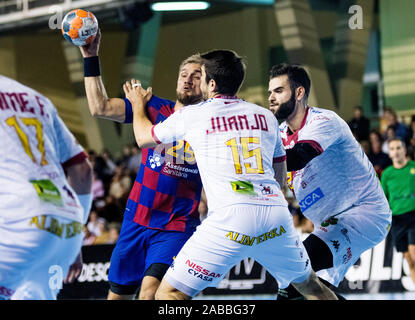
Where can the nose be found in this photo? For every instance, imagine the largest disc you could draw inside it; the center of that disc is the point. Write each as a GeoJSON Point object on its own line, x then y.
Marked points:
{"type": "Point", "coordinates": [188, 80]}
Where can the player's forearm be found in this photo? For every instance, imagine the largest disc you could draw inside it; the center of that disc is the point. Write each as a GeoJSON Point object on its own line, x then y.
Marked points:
{"type": "Point", "coordinates": [280, 176]}
{"type": "Point", "coordinates": [98, 102]}
{"type": "Point", "coordinates": [142, 129]}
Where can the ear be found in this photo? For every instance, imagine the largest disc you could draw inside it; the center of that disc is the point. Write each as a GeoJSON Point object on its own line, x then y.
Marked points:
{"type": "Point", "coordinates": [299, 93]}
{"type": "Point", "coordinates": [212, 85]}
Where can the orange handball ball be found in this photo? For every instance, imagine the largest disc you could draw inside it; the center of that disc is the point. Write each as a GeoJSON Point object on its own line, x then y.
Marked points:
{"type": "Point", "coordinates": [79, 27]}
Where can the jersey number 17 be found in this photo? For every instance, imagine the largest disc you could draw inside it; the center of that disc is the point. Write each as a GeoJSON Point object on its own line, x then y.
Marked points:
{"type": "Point", "coordinates": [24, 139]}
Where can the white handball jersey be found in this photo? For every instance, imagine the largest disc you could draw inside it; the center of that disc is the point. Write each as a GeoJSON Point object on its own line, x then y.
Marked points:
{"type": "Point", "coordinates": [235, 144]}
{"type": "Point", "coordinates": [34, 145]}
{"type": "Point", "coordinates": [337, 179]}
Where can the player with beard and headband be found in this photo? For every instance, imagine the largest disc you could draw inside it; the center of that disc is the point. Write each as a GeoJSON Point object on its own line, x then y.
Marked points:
{"type": "Point", "coordinates": [330, 176]}
{"type": "Point", "coordinates": [162, 210]}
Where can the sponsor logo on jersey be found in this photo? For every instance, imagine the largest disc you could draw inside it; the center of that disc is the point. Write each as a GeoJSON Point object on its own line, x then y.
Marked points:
{"type": "Point", "coordinates": [52, 225]}
{"type": "Point", "coordinates": [6, 293]}
{"type": "Point", "coordinates": [306, 264]}
{"type": "Point", "coordinates": [47, 191]}
{"type": "Point", "coordinates": [243, 187]}
{"type": "Point", "coordinates": [329, 221]}
{"type": "Point", "coordinates": [347, 256]}
{"type": "Point", "coordinates": [247, 240]}
{"type": "Point", "coordinates": [200, 272]}
{"type": "Point", "coordinates": [345, 232]}
{"type": "Point", "coordinates": [155, 160]}
{"type": "Point", "coordinates": [266, 189]}
{"type": "Point", "coordinates": [310, 199]}
{"type": "Point", "coordinates": [336, 244]}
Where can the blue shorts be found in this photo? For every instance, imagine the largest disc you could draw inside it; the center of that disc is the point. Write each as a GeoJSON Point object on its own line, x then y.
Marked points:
{"type": "Point", "coordinates": [139, 247]}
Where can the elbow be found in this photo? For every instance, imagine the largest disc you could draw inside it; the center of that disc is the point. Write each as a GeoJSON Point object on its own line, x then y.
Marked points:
{"type": "Point", "coordinates": [99, 109]}
{"type": "Point", "coordinates": [142, 144]}
{"type": "Point", "coordinates": [139, 142]}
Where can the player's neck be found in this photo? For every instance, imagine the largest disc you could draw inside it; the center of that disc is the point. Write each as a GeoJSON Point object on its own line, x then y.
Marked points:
{"type": "Point", "coordinates": [294, 122]}
{"type": "Point", "coordinates": [400, 164]}
{"type": "Point", "coordinates": [178, 105]}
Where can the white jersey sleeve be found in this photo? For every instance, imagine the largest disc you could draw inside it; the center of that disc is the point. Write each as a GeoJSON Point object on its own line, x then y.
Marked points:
{"type": "Point", "coordinates": [171, 129]}
{"type": "Point", "coordinates": [321, 131]}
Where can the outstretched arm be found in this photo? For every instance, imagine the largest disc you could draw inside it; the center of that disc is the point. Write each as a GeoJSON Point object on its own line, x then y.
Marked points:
{"type": "Point", "coordinates": [141, 124]}
{"type": "Point", "coordinates": [99, 104]}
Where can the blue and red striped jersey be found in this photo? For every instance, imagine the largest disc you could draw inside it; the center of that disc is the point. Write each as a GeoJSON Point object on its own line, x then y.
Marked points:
{"type": "Point", "coordinates": [166, 191]}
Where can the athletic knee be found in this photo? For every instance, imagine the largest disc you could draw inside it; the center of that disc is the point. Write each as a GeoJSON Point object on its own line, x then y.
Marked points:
{"type": "Point", "coordinates": [164, 293]}
{"type": "Point", "coordinates": [310, 285]}
{"type": "Point", "coordinates": [148, 289]}
{"type": "Point", "coordinates": [410, 261]}
{"type": "Point", "coordinates": [147, 293]}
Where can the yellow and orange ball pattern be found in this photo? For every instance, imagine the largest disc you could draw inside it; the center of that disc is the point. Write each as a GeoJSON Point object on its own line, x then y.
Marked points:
{"type": "Point", "coordinates": [79, 27]}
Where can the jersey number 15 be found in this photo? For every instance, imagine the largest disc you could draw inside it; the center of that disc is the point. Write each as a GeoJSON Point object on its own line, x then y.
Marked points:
{"type": "Point", "coordinates": [246, 154]}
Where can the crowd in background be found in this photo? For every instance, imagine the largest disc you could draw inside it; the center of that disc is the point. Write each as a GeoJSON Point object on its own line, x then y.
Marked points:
{"type": "Point", "coordinates": [114, 175]}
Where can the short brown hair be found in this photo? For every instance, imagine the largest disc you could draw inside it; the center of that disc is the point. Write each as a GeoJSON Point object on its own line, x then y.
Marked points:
{"type": "Point", "coordinates": [227, 68]}
{"type": "Point", "coordinates": [397, 139]}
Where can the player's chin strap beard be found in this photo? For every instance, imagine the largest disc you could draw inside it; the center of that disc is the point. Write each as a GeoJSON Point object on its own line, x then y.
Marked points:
{"type": "Point", "coordinates": [188, 100]}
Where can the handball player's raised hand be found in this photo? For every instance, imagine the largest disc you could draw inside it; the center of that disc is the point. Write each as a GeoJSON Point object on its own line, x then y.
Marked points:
{"type": "Point", "coordinates": [137, 95]}
{"type": "Point", "coordinates": [91, 49]}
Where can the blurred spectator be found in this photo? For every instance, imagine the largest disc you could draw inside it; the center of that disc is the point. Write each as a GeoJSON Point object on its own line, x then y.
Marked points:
{"type": "Point", "coordinates": [120, 184]}
{"type": "Point", "coordinates": [113, 209]}
{"type": "Point", "coordinates": [390, 134]}
{"type": "Point", "coordinates": [103, 236]}
{"type": "Point", "coordinates": [109, 235]}
{"type": "Point", "coordinates": [359, 125]}
{"type": "Point", "coordinates": [411, 152]}
{"type": "Point", "coordinates": [126, 154]}
{"type": "Point", "coordinates": [110, 166]}
{"type": "Point", "coordinates": [114, 232]}
{"type": "Point", "coordinates": [391, 119]}
{"type": "Point", "coordinates": [89, 238]}
{"type": "Point", "coordinates": [134, 161]}
{"type": "Point", "coordinates": [365, 146]}
{"type": "Point", "coordinates": [95, 223]}
{"type": "Point", "coordinates": [98, 189]}
{"type": "Point", "coordinates": [411, 133]}
{"type": "Point", "coordinates": [377, 157]}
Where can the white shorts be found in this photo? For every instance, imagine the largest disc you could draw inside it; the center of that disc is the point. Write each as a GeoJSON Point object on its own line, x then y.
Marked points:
{"type": "Point", "coordinates": [225, 237]}
{"type": "Point", "coordinates": [35, 256]}
{"type": "Point", "coordinates": [355, 231]}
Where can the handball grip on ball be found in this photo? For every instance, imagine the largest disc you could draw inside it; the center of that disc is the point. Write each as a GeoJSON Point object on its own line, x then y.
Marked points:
{"type": "Point", "coordinates": [92, 67]}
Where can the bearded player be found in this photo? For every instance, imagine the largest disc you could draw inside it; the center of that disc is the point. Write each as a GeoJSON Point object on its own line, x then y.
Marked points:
{"type": "Point", "coordinates": [331, 177]}
{"type": "Point", "coordinates": [242, 165]}
{"type": "Point", "coordinates": [162, 208]}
